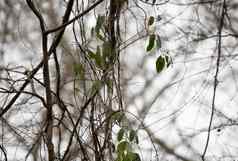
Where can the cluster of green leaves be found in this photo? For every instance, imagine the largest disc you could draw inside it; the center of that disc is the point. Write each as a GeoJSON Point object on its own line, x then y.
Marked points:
{"type": "Point", "coordinates": [118, 117]}
{"type": "Point", "coordinates": [126, 139]}
{"type": "Point", "coordinates": [99, 27]}
{"type": "Point", "coordinates": [96, 84]}
{"type": "Point", "coordinates": [104, 55]}
{"type": "Point", "coordinates": [79, 70]}
{"type": "Point", "coordinates": [102, 51]}
{"type": "Point", "coordinates": [163, 61]}
{"type": "Point", "coordinates": [154, 39]}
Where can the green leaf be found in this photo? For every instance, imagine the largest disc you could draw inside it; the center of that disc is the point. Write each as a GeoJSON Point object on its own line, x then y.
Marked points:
{"type": "Point", "coordinates": [137, 139]}
{"type": "Point", "coordinates": [109, 84]}
{"type": "Point", "coordinates": [79, 70]}
{"type": "Point", "coordinates": [106, 48]}
{"type": "Point", "coordinates": [120, 134]}
{"type": "Point", "coordinates": [107, 51]}
{"type": "Point", "coordinates": [158, 42]}
{"type": "Point", "coordinates": [118, 159]}
{"type": "Point", "coordinates": [160, 63]}
{"type": "Point", "coordinates": [96, 87]}
{"type": "Point", "coordinates": [151, 43]}
{"type": "Point", "coordinates": [97, 57]}
{"type": "Point", "coordinates": [127, 157]}
{"type": "Point", "coordinates": [130, 156]}
{"type": "Point", "coordinates": [122, 147]}
{"type": "Point", "coordinates": [132, 135]}
{"type": "Point", "coordinates": [91, 54]}
{"type": "Point", "coordinates": [100, 22]}
{"type": "Point", "coordinates": [136, 157]}
{"type": "Point", "coordinates": [168, 60]}
{"type": "Point", "coordinates": [151, 21]}
{"type": "Point", "coordinates": [117, 117]}
{"type": "Point", "coordinates": [100, 37]}
{"type": "Point", "coordinates": [92, 31]}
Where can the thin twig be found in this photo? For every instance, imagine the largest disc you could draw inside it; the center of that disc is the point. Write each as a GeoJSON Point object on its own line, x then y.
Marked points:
{"type": "Point", "coordinates": [52, 48]}
{"type": "Point", "coordinates": [74, 19]}
{"type": "Point", "coordinates": [220, 27]}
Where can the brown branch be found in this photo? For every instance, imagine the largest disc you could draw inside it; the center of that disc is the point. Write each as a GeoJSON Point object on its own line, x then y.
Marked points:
{"type": "Point", "coordinates": [83, 108]}
{"type": "Point", "coordinates": [25, 92]}
{"type": "Point", "coordinates": [199, 2]}
{"type": "Point", "coordinates": [4, 152]}
{"type": "Point", "coordinates": [46, 77]}
{"type": "Point", "coordinates": [52, 48]}
{"type": "Point", "coordinates": [220, 27]}
{"type": "Point", "coordinates": [58, 75]}
{"type": "Point", "coordinates": [154, 4]}
{"type": "Point", "coordinates": [65, 24]}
